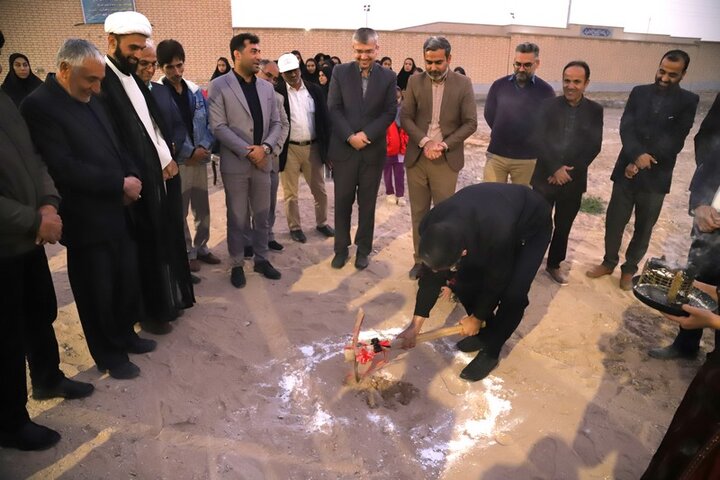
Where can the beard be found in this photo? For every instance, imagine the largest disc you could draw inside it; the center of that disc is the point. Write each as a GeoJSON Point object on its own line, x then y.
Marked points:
{"type": "Point", "coordinates": [123, 63]}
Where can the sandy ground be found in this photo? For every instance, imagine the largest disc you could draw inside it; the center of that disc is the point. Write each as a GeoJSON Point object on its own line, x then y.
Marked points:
{"type": "Point", "coordinates": [249, 385]}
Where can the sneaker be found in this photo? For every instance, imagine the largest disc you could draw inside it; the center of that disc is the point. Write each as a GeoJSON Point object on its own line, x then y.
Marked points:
{"type": "Point", "coordinates": [557, 275]}
{"type": "Point", "coordinates": [401, 201]}
{"type": "Point", "coordinates": [391, 199]}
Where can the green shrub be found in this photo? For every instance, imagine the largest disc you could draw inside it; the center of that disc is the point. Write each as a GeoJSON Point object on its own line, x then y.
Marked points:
{"type": "Point", "coordinates": [592, 205]}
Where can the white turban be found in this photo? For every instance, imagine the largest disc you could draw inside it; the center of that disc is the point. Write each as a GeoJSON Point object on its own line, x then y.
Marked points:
{"type": "Point", "coordinates": [125, 23]}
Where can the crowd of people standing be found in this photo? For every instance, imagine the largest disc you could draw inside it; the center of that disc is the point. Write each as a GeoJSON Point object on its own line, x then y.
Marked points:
{"type": "Point", "coordinates": [110, 162]}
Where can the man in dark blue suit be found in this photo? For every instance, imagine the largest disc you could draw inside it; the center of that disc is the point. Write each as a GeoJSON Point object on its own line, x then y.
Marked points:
{"type": "Point", "coordinates": [97, 181]}
{"type": "Point", "coordinates": [653, 127]}
{"type": "Point", "coordinates": [362, 104]}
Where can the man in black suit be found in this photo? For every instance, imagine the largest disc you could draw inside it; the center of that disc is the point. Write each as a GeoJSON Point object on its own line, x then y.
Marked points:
{"type": "Point", "coordinates": [488, 258]}
{"type": "Point", "coordinates": [29, 218]}
{"type": "Point", "coordinates": [705, 208]}
{"type": "Point", "coordinates": [97, 181]}
{"type": "Point", "coordinates": [362, 105]}
{"type": "Point", "coordinates": [569, 137]}
{"type": "Point", "coordinates": [656, 120]}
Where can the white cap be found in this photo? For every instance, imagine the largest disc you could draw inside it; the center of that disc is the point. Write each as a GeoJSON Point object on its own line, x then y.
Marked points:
{"type": "Point", "coordinates": [125, 23]}
{"type": "Point", "coordinates": [287, 62]}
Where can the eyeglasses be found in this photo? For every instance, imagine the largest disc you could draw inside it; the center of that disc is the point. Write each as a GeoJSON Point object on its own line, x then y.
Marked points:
{"type": "Point", "coordinates": [527, 65]}
{"type": "Point", "coordinates": [146, 64]}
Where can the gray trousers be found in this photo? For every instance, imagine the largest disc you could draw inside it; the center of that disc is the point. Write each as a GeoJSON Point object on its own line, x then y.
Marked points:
{"type": "Point", "coordinates": [245, 192]}
{"type": "Point", "coordinates": [194, 180]}
{"type": "Point", "coordinates": [274, 182]}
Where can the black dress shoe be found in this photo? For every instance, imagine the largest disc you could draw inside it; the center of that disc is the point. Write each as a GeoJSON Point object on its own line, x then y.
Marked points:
{"type": "Point", "coordinates": [671, 352]}
{"type": "Point", "coordinates": [361, 261]}
{"type": "Point", "coordinates": [30, 436]}
{"type": "Point", "coordinates": [339, 260]}
{"type": "Point", "coordinates": [156, 328]}
{"type": "Point", "coordinates": [136, 344]}
{"type": "Point", "coordinates": [125, 371]}
{"type": "Point", "coordinates": [326, 230]}
{"type": "Point", "coordinates": [298, 236]}
{"type": "Point", "coordinates": [266, 270]}
{"type": "Point", "coordinates": [471, 343]}
{"type": "Point", "coordinates": [237, 277]}
{"type": "Point", "coordinates": [194, 279]}
{"type": "Point", "coordinates": [209, 258]}
{"type": "Point", "coordinates": [66, 388]}
{"type": "Point", "coordinates": [479, 368]}
{"type": "Point", "coordinates": [273, 245]}
{"type": "Point", "coordinates": [248, 252]}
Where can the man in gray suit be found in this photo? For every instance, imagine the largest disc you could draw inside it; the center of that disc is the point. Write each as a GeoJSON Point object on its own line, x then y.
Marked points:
{"type": "Point", "coordinates": [362, 105]}
{"type": "Point", "coordinates": [244, 117]}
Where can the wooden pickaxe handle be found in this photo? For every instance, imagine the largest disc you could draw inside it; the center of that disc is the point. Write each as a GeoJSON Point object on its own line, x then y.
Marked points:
{"type": "Point", "coordinates": [431, 335]}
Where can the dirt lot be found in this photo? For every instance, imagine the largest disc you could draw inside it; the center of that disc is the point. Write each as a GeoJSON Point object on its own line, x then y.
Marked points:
{"type": "Point", "coordinates": [249, 385]}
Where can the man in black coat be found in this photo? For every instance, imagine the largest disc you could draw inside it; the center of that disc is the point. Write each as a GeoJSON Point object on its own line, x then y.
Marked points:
{"type": "Point", "coordinates": [305, 149]}
{"type": "Point", "coordinates": [568, 138]}
{"type": "Point", "coordinates": [158, 221]}
{"type": "Point", "coordinates": [488, 258]}
{"type": "Point", "coordinates": [97, 180]}
{"type": "Point", "coordinates": [704, 252]}
{"type": "Point", "coordinates": [29, 218]}
{"type": "Point", "coordinates": [362, 105]}
{"type": "Point", "coordinates": [653, 127]}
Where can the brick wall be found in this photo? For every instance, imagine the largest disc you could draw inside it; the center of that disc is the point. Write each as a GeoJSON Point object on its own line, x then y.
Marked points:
{"type": "Point", "coordinates": [37, 28]}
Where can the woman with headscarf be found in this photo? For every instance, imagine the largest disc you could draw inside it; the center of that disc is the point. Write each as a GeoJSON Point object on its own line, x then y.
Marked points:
{"type": "Point", "coordinates": [324, 76]}
{"type": "Point", "coordinates": [407, 70]}
{"type": "Point", "coordinates": [223, 67]}
{"type": "Point", "coordinates": [311, 71]}
{"type": "Point", "coordinates": [20, 79]}
{"type": "Point", "coordinates": [336, 60]}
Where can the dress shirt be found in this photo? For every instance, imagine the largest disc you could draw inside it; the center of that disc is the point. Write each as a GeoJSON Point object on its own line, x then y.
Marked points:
{"type": "Point", "coordinates": [302, 114]}
{"type": "Point", "coordinates": [434, 133]}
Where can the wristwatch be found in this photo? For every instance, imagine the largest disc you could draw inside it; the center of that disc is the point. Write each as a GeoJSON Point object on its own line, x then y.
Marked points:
{"type": "Point", "coordinates": [267, 149]}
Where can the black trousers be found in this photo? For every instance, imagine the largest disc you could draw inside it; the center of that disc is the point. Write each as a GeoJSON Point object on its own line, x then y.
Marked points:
{"type": "Point", "coordinates": [647, 208]}
{"type": "Point", "coordinates": [105, 283]}
{"type": "Point", "coordinates": [356, 178]}
{"type": "Point", "coordinates": [566, 208]}
{"type": "Point", "coordinates": [29, 307]}
{"type": "Point", "coordinates": [705, 256]}
{"type": "Point", "coordinates": [514, 299]}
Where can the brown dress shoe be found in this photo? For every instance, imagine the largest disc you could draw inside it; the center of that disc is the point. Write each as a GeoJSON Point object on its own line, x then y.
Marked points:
{"type": "Point", "coordinates": [626, 281]}
{"type": "Point", "coordinates": [598, 271]}
{"type": "Point", "coordinates": [194, 265]}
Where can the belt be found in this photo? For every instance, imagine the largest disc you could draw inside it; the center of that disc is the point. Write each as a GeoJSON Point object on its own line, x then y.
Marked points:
{"type": "Point", "coordinates": [302, 144]}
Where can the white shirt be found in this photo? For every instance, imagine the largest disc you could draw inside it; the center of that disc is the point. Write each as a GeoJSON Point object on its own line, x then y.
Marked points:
{"type": "Point", "coordinates": [302, 114]}
{"type": "Point", "coordinates": [138, 101]}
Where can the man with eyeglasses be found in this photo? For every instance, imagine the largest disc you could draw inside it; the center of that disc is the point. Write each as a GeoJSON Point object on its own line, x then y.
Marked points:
{"type": "Point", "coordinates": [305, 149]}
{"type": "Point", "coordinates": [487, 257]}
{"type": "Point", "coordinates": [269, 71]}
{"type": "Point", "coordinates": [193, 153]}
{"type": "Point", "coordinates": [362, 104]}
{"type": "Point", "coordinates": [510, 111]}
